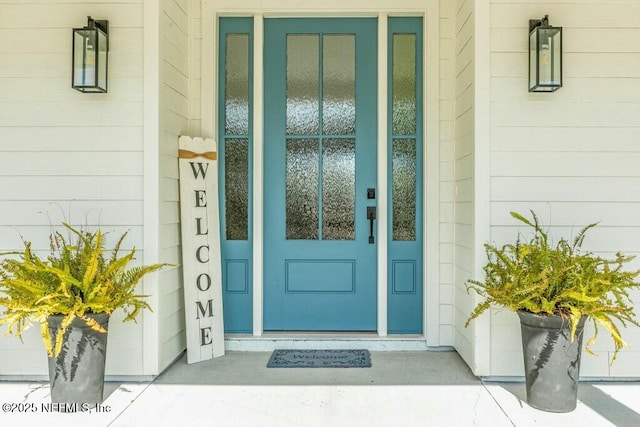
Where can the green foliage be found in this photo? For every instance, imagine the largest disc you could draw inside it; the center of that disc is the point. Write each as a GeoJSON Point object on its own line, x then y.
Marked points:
{"type": "Point", "coordinates": [559, 279]}
{"type": "Point", "coordinates": [76, 279]}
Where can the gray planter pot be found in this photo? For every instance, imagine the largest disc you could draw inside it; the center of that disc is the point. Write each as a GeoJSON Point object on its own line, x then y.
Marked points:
{"type": "Point", "coordinates": [76, 375]}
{"type": "Point", "coordinates": [551, 361]}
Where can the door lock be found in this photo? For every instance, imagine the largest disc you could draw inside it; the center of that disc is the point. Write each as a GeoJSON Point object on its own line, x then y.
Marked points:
{"type": "Point", "coordinates": [371, 193]}
{"type": "Point", "coordinates": [371, 212]}
{"type": "Point", "coordinates": [371, 216]}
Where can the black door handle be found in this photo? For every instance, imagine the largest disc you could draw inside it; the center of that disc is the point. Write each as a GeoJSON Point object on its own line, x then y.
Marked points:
{"type": "Point", "coordinates": [371, 215]}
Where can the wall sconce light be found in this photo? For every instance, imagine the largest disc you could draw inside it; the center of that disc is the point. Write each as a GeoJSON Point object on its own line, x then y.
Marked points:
{"type": "Point", "coordinates": [545, 56]}
{"type": "Point", "coordinates": [90, 59]}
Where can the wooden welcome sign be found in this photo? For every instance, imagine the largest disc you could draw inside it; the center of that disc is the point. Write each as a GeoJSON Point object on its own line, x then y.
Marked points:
{"type": "Point", "coordinates": [201, 260]}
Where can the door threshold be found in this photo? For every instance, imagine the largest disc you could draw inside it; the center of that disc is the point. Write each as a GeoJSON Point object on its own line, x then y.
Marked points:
{"type": "Point", "coordinates": [270, 341]}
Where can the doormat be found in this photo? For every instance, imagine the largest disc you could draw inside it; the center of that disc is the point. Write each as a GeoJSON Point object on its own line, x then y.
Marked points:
{"type": "Point", "coordinates": [320, 359]}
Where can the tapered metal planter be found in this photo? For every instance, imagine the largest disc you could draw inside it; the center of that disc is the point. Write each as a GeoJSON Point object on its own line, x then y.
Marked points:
{"type": "Point", "coordinates": [76, 375]}
{"type": "Point", "coordinates": [551, 361]}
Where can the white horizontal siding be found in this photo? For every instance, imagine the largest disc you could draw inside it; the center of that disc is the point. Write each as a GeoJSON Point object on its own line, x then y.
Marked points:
{"type": "Point", "coordinates": [570, 139]}
{"type": "Point", "coordinates": [575, 89]}
{"type": "Point", "coordinates": [568, 14]}
{"type": "Point", "coordinates": [463, 175]}
{"type": "Point", "coordinates": [49, 89]}
{"type": "Point", "coordinates": [124, 351]}
{"type": "Point", "coordinates": [76, 139]}
{"type": "Point", "coordinates": [446, 213]}
{"type": "Point", "coordinates": [47, 14]}
{"type": "Point", "coordinates": [577, 40]}
{"type": "Point", "coordinates": [569, 213]}
{"type": "Point", "coordinates": [572, 155]}
{"type": "Point", "coordinates": [600, 239]}
{"type": "Point", "coordinates": [11, 237]}
{"type": "Point", "coordinates": [69, 156]}
{"type": "Point", "coordinates": [174, 121]}
{"type": "Point", "coordinates": [109, 213]}
{"type": "Point", "coordinates": [78, 164]}
{"type": "Point", "coordinates": [592, 114]}
{"type": "Point", "coordinates": [506, 355]}
{"type": "Point", "coordinates": [560, 189]}
{"type": "Point", "coordinates": [565, 164]}
{"type": "Point", "coordinates": [575, 65]}
{"type": "Point", "coordinates": [68, 188]}
{"type": "Point", "coordinates": [195, 65]}
{"type": "Point", "coordinates": [83, 112]}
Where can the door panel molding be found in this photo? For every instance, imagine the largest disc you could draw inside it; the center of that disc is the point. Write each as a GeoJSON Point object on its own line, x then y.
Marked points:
{"type": "Point", "coordinates": [302, 164]}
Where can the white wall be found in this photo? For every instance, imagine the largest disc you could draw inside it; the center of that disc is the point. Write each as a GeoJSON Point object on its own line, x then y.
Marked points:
{"type": "Point", "coordinates": [195, 69]}
{"type": "Point", "coordinates": [67, 153]}
{"type": "Point", "coordinates": [174, 100]}
{"type": "Point", "coordinates": [574, 155]}
{"type": "Point", "coordinates": [447, 120]}
{"type": "Point", "coordinates": [464, 135]}
{"type": "Point", "coordinates": [82, 156]}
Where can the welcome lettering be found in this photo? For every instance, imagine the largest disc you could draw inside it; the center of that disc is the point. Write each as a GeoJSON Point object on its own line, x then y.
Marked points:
{"type": "Point", "coordinates": [201, 253]}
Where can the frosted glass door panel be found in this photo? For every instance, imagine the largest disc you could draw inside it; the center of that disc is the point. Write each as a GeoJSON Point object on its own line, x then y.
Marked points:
{"type": "Point", "coordinates": [405, 303]}
{"type": "Point", "coordinates": [235, 167]}
{"type": "Point", "coordinates": [302, 189]}
{"type": "Point", "coordinates": [236, 183]}
{"type": "Point", "coordinates": [404, 189]}
{"type": "Point", "coordinates": [338, 189]}
{"type": "Point", "coordinates": [303, 106]}
{"type": "Point", "coordinates": [339, 84]}
{"type": "Point", "coordinates": [404, 84]}
{"type": "Point", "coordinates": [237, 84]}
{"type": "Point", "coordinates": [320, 66]}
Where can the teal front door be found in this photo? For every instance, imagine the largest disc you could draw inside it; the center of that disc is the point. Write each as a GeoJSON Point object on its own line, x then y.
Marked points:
{"type": "Point", "coordinates": [320, 174]}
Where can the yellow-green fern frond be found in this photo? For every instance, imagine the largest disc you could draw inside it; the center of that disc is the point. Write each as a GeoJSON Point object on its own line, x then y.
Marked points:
{"type": "Point", "coordinates": [64, 325]}
{"type": "Point", "coordinates": [538, 276]}
{"type": "Point", "coordinates": [73, 281]}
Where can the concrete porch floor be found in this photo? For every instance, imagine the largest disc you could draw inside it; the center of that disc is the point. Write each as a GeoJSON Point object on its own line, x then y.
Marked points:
{"type": "Point", "coordinates": [400, 389]}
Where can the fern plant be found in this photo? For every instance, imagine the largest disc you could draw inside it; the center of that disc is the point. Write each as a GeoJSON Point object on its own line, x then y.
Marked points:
{"type": "Point", "coordinates": [558, 279]}
{"type": "Point", "coordinates": [75, 280]}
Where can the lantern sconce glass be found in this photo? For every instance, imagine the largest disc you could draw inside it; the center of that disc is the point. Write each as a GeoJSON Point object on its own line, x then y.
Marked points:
{"type": "Point", "coordinates": [90, 57]}
{"type": "Point", "coordinates": [545, 56]}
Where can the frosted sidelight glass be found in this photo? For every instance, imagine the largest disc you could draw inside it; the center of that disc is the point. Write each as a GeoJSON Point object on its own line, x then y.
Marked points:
{"type": "Point", "coordinates": [236, 187]}
{"type": "Point", "coordinates": [339, 84]}
{"type": "Point", "coordinates": [404, 189]}
{"type": "Point", "coordinates": [303, 107]}
{"type": "Point", "coordinates": [338, 189]}
{"type": "Point", "coordinates": [236, 95]}
{"type": "Point", "coordinates": [302, 189]}
{"type": "Point", "coordinates": [404, 84]}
